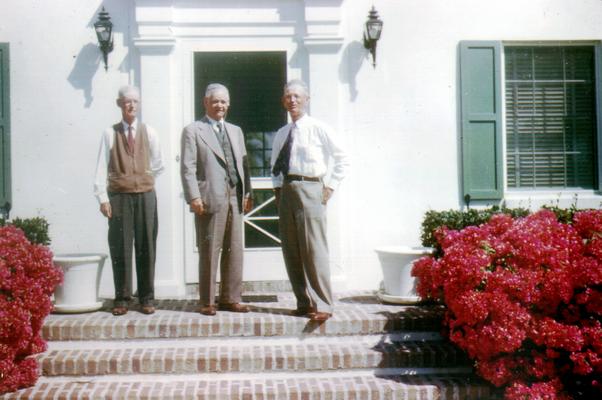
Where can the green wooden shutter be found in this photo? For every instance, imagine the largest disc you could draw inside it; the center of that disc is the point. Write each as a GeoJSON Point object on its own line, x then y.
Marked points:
{"type": "Point", "coordinates": [5, 173]}
{"type": "Point", "coordinates": [480, 85]}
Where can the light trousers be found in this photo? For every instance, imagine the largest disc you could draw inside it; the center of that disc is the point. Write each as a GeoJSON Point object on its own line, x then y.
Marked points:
{"type": "Point", "coordinates": [221, 232]}
{"type": "Point", "coordinates": [303, 231]}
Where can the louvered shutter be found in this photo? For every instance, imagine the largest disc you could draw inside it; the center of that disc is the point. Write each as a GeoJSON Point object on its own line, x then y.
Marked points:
{"type": "Point", "coordinates": [480, 86]}
{"type": "Point", "coordinates": [5, 172]}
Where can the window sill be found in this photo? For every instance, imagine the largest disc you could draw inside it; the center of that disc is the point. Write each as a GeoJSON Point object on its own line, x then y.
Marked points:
{"type": "Point", "coordinates": [560, 198]}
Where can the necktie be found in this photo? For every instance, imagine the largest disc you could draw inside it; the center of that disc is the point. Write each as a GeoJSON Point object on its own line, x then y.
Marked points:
{"type": "Point", "coordinates": [230, 162]}
{"type": "Point", "coordinates": [284, 157]}
{"type": "Point", "coordinates": [220, 131]}
{"type": "Point", "coordinates": [131, 141]}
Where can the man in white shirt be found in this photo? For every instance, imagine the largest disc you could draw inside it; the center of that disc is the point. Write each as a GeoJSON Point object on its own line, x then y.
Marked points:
{"type": "Point", "coordinates": [301, 153]}
{"type": "Point", "coordinates": [129, 159]}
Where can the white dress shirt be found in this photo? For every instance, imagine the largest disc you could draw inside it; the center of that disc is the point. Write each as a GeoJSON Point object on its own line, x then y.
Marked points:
{"type": "Point", "coordinates": [104, 156]}
{"type": "Point", "coordinates": [314, 143]}
{"type": "Point", "coordinates": [214, 123]}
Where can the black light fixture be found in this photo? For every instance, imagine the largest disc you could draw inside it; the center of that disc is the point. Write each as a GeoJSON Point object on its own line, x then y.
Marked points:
{"type": "Point", "coordinates": [104, 33]}
{"type": "Point", "coordinates": [374, 27]}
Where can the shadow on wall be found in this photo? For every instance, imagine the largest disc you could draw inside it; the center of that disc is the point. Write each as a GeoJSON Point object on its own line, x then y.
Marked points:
{"type": "Point", "coordinates": [351, 63]}
{"type": "Point", "coordinates": [86, 64]}
{"type": "Point", "coordinates": [89, 59]}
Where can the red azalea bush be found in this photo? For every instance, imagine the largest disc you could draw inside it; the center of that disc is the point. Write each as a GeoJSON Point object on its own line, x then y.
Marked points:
{"type": "Point", "coordinates": [27, 280]}
{"type": "Point", "coordinates": [524, 300]}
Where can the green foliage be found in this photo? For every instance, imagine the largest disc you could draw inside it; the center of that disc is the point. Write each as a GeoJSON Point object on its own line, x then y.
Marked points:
{"type": "Point", "coordinates": [35, 229]}
{"type": "Point", "coordinates": [564, 215]}
{"type": "Point", "coordinates": [457, 219]}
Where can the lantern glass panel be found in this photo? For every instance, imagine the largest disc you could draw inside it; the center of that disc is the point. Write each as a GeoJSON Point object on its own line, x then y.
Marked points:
{"type": "Point", "coordinates": [374, 31]}
{"type": "Point", "coordinates": [103, 33]}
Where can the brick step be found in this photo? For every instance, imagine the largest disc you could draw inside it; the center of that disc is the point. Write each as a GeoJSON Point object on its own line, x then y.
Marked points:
{"type": "Point", "coordinates": [347, 385]}
{"type": "Point", "coordinates": [252, 356]}
{"type": "Point", "coordinates": [355, 315]}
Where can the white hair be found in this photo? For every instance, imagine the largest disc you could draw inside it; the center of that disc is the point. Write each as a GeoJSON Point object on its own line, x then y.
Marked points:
{"type": "Point", "coordinates": [129, 91]}
{"type": "Point", "coordinates": [216, 87]}
{"type": "Point", "coordinates": [297, 83]}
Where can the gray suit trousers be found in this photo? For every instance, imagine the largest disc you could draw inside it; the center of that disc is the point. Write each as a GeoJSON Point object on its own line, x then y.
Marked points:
{"type": "Point", "coordinates": [220, 231]}
{"type": "Point", "coordinates": [304, 243]}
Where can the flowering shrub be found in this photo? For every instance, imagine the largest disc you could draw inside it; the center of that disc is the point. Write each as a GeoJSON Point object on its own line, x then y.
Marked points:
{"type": "Point", "coordinates": [27, 280]}
{"type": "Point", "coordinates": [524, 300]}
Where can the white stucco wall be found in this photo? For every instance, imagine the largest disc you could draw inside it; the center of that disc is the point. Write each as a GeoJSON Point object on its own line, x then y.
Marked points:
{"type": "Point", "coordinates": [403, 115]}
{"type": "Point", "coordinates": [61, 100]}
{"type": "Point", "coordinates": [400, 119]}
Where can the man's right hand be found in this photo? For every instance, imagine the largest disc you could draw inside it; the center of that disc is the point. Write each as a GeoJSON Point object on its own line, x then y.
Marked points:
{"type": "Point", "coordinates": [105, 209]}
{"type": "Point", "coordinates": [196, 206]}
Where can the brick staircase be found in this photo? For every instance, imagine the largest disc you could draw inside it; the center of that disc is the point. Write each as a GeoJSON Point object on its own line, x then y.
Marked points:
{"type": "Point", "coordinates": [366, 351]}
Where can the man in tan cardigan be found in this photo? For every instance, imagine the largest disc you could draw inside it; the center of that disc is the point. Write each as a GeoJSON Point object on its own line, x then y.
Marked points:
{"type": "Point", "coordinates": [129, 159]}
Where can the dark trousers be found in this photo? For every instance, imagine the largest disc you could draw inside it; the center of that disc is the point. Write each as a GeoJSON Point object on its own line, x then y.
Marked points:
{"type": "Point", "coordinates": [134, 222]}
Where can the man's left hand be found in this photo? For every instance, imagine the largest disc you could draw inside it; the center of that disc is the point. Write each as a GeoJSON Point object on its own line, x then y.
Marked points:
{"type": "Point", "coordinates": [326, 194]}
{"type": "Point", "coordinates": [248, 204]}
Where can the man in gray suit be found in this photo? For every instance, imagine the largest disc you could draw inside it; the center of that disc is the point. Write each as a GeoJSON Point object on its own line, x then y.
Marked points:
{"type": "Point", "coordinates": [217, 186]}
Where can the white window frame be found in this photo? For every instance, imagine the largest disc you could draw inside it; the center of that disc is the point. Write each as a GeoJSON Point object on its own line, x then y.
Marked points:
{"type": "Point", "coordinates": [525, 197]}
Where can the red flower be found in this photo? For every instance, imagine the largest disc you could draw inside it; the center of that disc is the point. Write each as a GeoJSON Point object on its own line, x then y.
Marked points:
{"type": "Point", "coordinates": [550, 390]}
{"type": "Point", "coordinates": [523, 299]}
{"type": "Point", "coordinates": [27, 279]}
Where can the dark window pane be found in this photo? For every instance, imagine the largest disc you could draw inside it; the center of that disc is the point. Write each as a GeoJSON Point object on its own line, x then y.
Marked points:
{"type": "Point", "coordinates": [262, 219]}
{"type": "Point", "coordinates": [550, 117]}
{"type": "Point", "coordinates": [255, 81]}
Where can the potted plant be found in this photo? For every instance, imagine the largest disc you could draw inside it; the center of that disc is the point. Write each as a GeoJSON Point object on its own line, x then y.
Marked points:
{"type": "Point", "coordinates": [399, 286]}
{"type": "Point", "coordinates": [82, 272]}
{"type": "Point", "coordinates": [79, 291]}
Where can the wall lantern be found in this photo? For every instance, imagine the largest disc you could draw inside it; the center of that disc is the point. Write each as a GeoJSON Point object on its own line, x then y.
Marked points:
{"type": "Point", "coordinates": [374, 27]}
{"type": "Point", "coordinates": [104, 33]}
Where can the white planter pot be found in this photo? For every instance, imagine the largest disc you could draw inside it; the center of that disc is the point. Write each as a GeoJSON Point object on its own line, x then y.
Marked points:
{"type": "Point", "coordinates": [396, 263]}
{"type": "Point", "coordinates": [79, 291]}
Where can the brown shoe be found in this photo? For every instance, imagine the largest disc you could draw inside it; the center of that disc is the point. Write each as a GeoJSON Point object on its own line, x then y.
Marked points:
{"type": "Point", "coordinates": [320, 316]}
{"type": "Point", "coordinates": [208, 309]}
{"type": "Point", "coordinates": [119, 310]}
{"type": "Point", "coordinates": [304, 311]}
{"type": "Point", "coordinates": [147, 309]}
{"type": "Point", "coordinates": [234, 307]}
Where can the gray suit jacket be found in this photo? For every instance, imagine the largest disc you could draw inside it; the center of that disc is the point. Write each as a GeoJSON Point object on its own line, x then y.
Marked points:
{"type": "Point", "coordinates": [203, 164]}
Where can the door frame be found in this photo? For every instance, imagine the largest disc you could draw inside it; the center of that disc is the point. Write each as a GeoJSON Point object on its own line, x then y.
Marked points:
{"type": "Point", "coordinates": [260, 264]}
